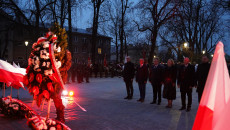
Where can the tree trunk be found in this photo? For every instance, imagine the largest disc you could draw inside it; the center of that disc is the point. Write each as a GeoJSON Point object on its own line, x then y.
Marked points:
{"type": "Point", "coordinates": [37, 17]}
{"type": "Point", "coordinates": [62, 12]}
{"type": "Point", "coordinates": [153, 45]}
{"type": "Point", "coordinates": [70, 26]}
{"type": "Point", "coordinates": [117, 55]}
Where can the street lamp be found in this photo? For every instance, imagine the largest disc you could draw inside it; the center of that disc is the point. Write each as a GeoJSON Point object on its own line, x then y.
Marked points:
{"type": "Point", "coordinates": [26, 43]}
{"type": "Point", "coordinates": [203, 51]}
{"type": "Point", "coordinates": [212, 55]}
{"type": "Point", "coordinates": [185, 45]}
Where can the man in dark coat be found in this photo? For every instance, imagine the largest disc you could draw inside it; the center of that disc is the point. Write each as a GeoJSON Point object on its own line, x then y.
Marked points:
{"type": "Point", "coordinates": [186, 81]}
{"type": "Point", "coordinates": [156, 79]}
{"type": "Point", "coordinates": [128, 75]}
{"type": "Point", "coordinates": [141, 79]}
{"type": "Point", "coordinates": [201, 75]}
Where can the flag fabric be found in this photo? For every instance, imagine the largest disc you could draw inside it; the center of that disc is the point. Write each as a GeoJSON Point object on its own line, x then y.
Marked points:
{"type": "Point", "coordinates": [214, 109]}
{"type": "Point", "coordinates": [11, 75]}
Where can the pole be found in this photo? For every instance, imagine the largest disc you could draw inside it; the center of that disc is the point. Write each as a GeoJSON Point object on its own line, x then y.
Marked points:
{"type": "Point", "coordinates": [18, 94]}
{"type": "Point", "coordinates": [48, 112]}
{"type": "Point", "coordinates": [11, 91]}
{"type": "Point", "coordinates": [3, 92]}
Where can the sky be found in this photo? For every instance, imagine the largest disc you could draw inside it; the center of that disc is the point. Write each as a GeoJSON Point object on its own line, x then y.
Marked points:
{"type": "Point", "coordinates": [84, 18]}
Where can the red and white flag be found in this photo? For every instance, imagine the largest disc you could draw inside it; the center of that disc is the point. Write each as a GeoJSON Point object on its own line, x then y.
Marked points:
{"type": "Point", "coordinates": [214, 109]}
{"type": "Point", "coordinates": [11, 75]}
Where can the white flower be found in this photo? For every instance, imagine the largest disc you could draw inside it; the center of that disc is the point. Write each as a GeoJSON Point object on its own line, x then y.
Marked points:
{"type": "Point", "coordinates": [52, 128]}
{"type": "Point", "coordinates": [58, 64]}
{"type": "Point", "coordinates": [48, 72]}
{"type": "Point", "coordinates": [59, 49]}
{"type": "Point", "coordinates": [15, 108]}
{"type": "Point", "coordinates": [46, 44]}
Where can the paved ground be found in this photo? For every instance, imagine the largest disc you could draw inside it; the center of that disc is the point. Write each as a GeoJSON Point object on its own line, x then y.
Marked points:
{"type": "Point", "coordinates": [106, 109]}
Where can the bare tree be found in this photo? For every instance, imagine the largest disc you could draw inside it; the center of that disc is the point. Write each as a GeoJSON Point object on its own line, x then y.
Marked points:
{"type": "Point", "coordinates": [96, 11]}
{"type": "Point", "coordinates": [199, 25]}
{"type": "Point", "coordinates": [153, 15]}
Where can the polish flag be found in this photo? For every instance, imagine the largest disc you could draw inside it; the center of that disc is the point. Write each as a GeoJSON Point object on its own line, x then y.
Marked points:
{"type": "Point", "coordinates": [11, 75]}
{"type": "Point", "coordinates": [214, 109]}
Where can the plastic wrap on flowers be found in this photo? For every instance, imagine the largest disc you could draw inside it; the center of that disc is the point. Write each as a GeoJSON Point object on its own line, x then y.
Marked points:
{"type": "Point", "coordinates": [15, 108]}
{"type": "Point", "coordinates": [40, 79]}
{"type": "Point", "coordinates": [42, 123]}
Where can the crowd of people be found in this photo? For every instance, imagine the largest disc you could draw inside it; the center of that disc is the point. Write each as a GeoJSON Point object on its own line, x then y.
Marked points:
{"type": "Point", "coordinates": [185, 76]}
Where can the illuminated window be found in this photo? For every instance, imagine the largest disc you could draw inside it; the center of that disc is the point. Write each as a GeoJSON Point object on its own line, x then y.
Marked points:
{"type": "Point", "coordinates": [99, 50]}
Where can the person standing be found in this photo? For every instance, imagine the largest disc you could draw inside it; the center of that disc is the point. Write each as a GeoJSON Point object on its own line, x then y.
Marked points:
{"type": "Point", "coordinates": [66, 64]}
{"type": "Point", "coordinates": [128, 75]}
{"type": "Point", "coordinates": [186, 81]}
{"type": "Point", "coordinates": [141, 79]}
{"type": "Point", "coordinates": [169, 80]}
{"type": "Point", "coordinates": [156, 80]}
{"type": "Point", "coordinates": [201, 75]}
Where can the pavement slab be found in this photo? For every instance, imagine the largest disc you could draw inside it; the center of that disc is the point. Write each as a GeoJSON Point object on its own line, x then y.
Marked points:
{"type": "Point", "coordinates": [103, 98]}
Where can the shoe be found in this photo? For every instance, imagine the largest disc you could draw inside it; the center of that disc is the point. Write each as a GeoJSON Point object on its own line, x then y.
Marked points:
{"type": "Point", "coordinates": [130, 98]}
{"type": "Point", "coordinates": [142, 101]}
{"type": "Point", "coordinates": [159, 103]}
{"type": "Point", "coordinates": [126, 97]}
{"type": "Point", "coordinates": [188, 109]}
{"type": "Point", "coordinates": [139, 100]}
{"type": "Point", "coordinates": [153, 102]}
{"type": "Point", "coordinates": [182, 108]}
{"type": "Point", "coordinates": [168, 106]}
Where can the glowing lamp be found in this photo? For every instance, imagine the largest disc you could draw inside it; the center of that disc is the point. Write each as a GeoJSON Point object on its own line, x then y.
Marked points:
{"type": "Point", "coordinates": [71, 93]}
{"type": "Point", "coordinates": [64, 92]}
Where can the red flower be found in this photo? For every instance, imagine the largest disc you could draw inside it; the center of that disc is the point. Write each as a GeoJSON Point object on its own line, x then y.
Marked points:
{"type": "Point", "coordinates": [46, 94]}
{"type": "Point", "coordinates": [39, 77]}
{"type": "Point", "coordinates": [50, 87]}
{"type": "Point", "coordinates": [52, 77]}
{"type": "Point", "coordinates": [25, 80]}
{"type": "Point", "coordinates": [31, 78]}
{"type": "Point", "coordinates": [28, 68]}
{"type": "Point", "coordinates": [35, 90]}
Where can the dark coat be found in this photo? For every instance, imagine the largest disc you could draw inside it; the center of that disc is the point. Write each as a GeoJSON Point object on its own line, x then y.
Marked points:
{"type": "Point", "coordinates": [66, 64]}
{"type": "Point", "coordinates": [186, 77]}
{"type": "Point", "coordinates": [156, 74]}
{"type": "Point", "coordinates": [170, 75]}
{"type": "Point", "coordinates": [129, 71]}
{"type": "Point", "coordinates": [142, 74]}
{"type": "Point", "coordinates": [201, 75]}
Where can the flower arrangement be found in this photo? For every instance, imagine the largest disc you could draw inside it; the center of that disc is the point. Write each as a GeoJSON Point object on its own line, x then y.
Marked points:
{"type": "Point", "coordinates": [40, 78]}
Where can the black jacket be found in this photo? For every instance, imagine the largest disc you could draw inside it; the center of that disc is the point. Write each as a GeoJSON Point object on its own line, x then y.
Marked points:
{"type": "Point", "coordinates": [129, 71]}
{"type": "Point", "coordinates": [170, 74]}
{"type": "Point", "coordinates": [201, 75]}
{"type": "Point", "coordinates": [156, 74]}
{"type": "Point", "coordinates": [186, 77]}
{"type": "Point", "coordinates": [142, 74]}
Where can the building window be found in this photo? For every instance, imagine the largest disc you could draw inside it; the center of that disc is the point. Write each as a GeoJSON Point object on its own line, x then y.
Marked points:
{"type": "Point", "coordinates": [84, 40]}
{"type": "Point", "coordinates": [84, 49]}
{"type": "Point", "coordinates": [75, 38]}
{"type": "Point", "coordinates": [99, 50]}
{"type": "Point", "coordinates": [75, 60]}
{"type": "Point", "coordinates": [75, 49]}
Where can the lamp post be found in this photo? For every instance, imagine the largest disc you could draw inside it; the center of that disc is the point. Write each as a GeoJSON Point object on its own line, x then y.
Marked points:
{"type": "Point", "coordinates": [26, 43]}
{"type": "Point", "coordinates": [203, 52]}
{"type": "Point", "coordinates": [185, 45]}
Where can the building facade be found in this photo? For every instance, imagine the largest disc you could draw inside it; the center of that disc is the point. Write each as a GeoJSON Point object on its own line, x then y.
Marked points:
{"type": "Point", "coordinates": [16, 42]}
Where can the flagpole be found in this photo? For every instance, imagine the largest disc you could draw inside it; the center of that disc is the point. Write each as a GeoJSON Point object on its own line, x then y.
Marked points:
{"type": "Point", "coordinates": [11, 91]}
{"type": "Point", "coordinates": [18, 93]}
{"type": "Point", "coordinates": [3, 92]}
